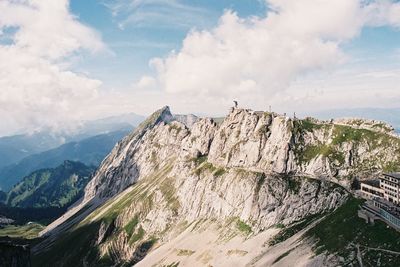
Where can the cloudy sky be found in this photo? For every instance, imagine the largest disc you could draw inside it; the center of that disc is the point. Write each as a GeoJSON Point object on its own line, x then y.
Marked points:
{"type": "Point", "coordinates": [64, 61]}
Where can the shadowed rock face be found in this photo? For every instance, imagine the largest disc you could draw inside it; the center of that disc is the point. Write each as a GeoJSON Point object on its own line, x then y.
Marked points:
{"type": "Point", "coordinates": [14, 255]}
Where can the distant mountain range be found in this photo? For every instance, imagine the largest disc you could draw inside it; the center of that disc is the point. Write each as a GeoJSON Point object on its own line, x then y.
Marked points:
{"type": "Point", "coordinates": [90, 143]}
{"type": "Point", "coordinates": [15, 148]}
{"type": "Point", "coordinates": [90, 151]}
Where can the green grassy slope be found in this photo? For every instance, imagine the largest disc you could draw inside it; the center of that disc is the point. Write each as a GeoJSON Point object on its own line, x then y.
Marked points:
{"type": "Point", "coordinates": [342, 231]}
{"type": "Point", "coordinates": [57, 187]}
{"type": "Point", "coordinates": [27, 231]}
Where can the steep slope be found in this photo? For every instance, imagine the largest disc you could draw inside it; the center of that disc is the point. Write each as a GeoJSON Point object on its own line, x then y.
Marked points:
{"type": "Point", "coordinates": [90, 151]}
{"type": "Point", "coordinates": [57, 187]}
{"type": "Point", "coordinates": [239, 178]}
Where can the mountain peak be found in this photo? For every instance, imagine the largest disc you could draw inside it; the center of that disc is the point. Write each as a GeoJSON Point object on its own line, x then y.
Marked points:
{"type": "Point", "coordinates": [161, 115]}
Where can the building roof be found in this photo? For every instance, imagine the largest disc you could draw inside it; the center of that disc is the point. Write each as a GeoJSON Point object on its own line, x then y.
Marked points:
{"type": "Point", "coordinates": [395, 175]}
{"type": "Point", "coordinates": [374, 183]}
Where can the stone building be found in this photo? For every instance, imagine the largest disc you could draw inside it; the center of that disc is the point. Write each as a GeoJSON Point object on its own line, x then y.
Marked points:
{"type": "Point", "coordinates": [383, 199]}
{"type": "Point", "coordinates": [387, 187]}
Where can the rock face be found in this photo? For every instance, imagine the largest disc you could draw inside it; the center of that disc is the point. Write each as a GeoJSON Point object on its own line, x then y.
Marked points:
{"type": "Point", "coordinates": [256, 141]}
{"type": "Point", "coordinates": [187, 120]}
{"type": "Point", "coordinates": [251, 169]}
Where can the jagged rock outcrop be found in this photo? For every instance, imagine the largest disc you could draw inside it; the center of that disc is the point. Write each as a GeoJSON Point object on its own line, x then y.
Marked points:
{"type": "Point", "coordinates": [258, 141]}
{"type": "Point", "coordinates": [252, 169]}
{"type": "Point", "coordinates": [123, 165]}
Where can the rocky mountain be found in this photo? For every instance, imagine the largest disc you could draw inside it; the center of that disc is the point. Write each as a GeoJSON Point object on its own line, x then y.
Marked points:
{"type": "Point", "coordinates": [90, 151]}
{"type": "Point", "coordinates": [248, 190]}
{"type": "Point", "coordinates": [58, 187]}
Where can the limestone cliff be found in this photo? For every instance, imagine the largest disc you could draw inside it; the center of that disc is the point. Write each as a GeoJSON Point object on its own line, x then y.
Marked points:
{"type": "Point", "coordinates": [255, 141]}
{"type": "Point", "coordinates": [247, 173]}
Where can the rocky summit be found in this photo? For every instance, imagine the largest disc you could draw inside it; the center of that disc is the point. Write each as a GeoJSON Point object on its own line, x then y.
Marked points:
{"type": "Point", "coordinates": [252, 189]}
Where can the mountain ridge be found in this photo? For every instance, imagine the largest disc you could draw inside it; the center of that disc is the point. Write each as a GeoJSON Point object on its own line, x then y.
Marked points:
{"type": "Point", "coordinates": [57, 187]}
{"type": "Point", "coordinates": [248, 173]}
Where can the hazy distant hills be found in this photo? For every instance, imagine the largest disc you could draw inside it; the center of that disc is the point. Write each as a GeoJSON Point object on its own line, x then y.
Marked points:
{"type": "Point", "coordinates": [106, 125]}
{"type": "Point", "coordinates": [90, 143]}
{"type": "Point", "coordinates": [15, 148]}
{"type": "Point", "coordinates": [90, 151]}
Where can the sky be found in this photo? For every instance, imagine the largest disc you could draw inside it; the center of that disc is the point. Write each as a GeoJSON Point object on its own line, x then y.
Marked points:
{"type": "Point", "coordinates": [63, 61]}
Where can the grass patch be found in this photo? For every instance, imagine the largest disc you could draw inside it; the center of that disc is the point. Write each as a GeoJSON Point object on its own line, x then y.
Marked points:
{"type": "Point", "coordinates": [237, 252]}
{"type": "Point", "coordinates": [311, 152]}
{"type": "Point", "coordinates": [130, 227]}
{"type": "Point", "coordinates": [71, 248]}
{"type": "Point", "coordinates": [243, 227]}
{"type": "Point", "coordinates": [219, 172]}
{"type": "Point", "coordinates": [294, 185]}
{"type": "Point", "coordinates": [391, 167]}
{"type": "Point", "coordinates": [339, 231]}
{"type": "Point", "coordinates": [137, 236]}
{"type": "Point", "coordinates": [200, 160]}
{"type": "Point", "coordinates": [292, 229]}
{"type": "Point", "coordinates": [344, 134]}
{"type": "Point", "coordinates": [206, 166]}
{"type": "Point", "coordinates": [27, 231]}
{"type": "Point", "coordinates": [185, 252]}
{"type": "Point", "coordinates": [167, 189]}
{"type": "Point", "coordinates": [306, 125]}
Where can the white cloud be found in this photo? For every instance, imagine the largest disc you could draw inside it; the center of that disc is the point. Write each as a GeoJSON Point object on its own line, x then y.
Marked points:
{"type": "Point", "coordinates": [146, 83]}
{"type": "Point", "coordinates": [255, 59]}
{"type": "Point", "coordinates": [36, 90]}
